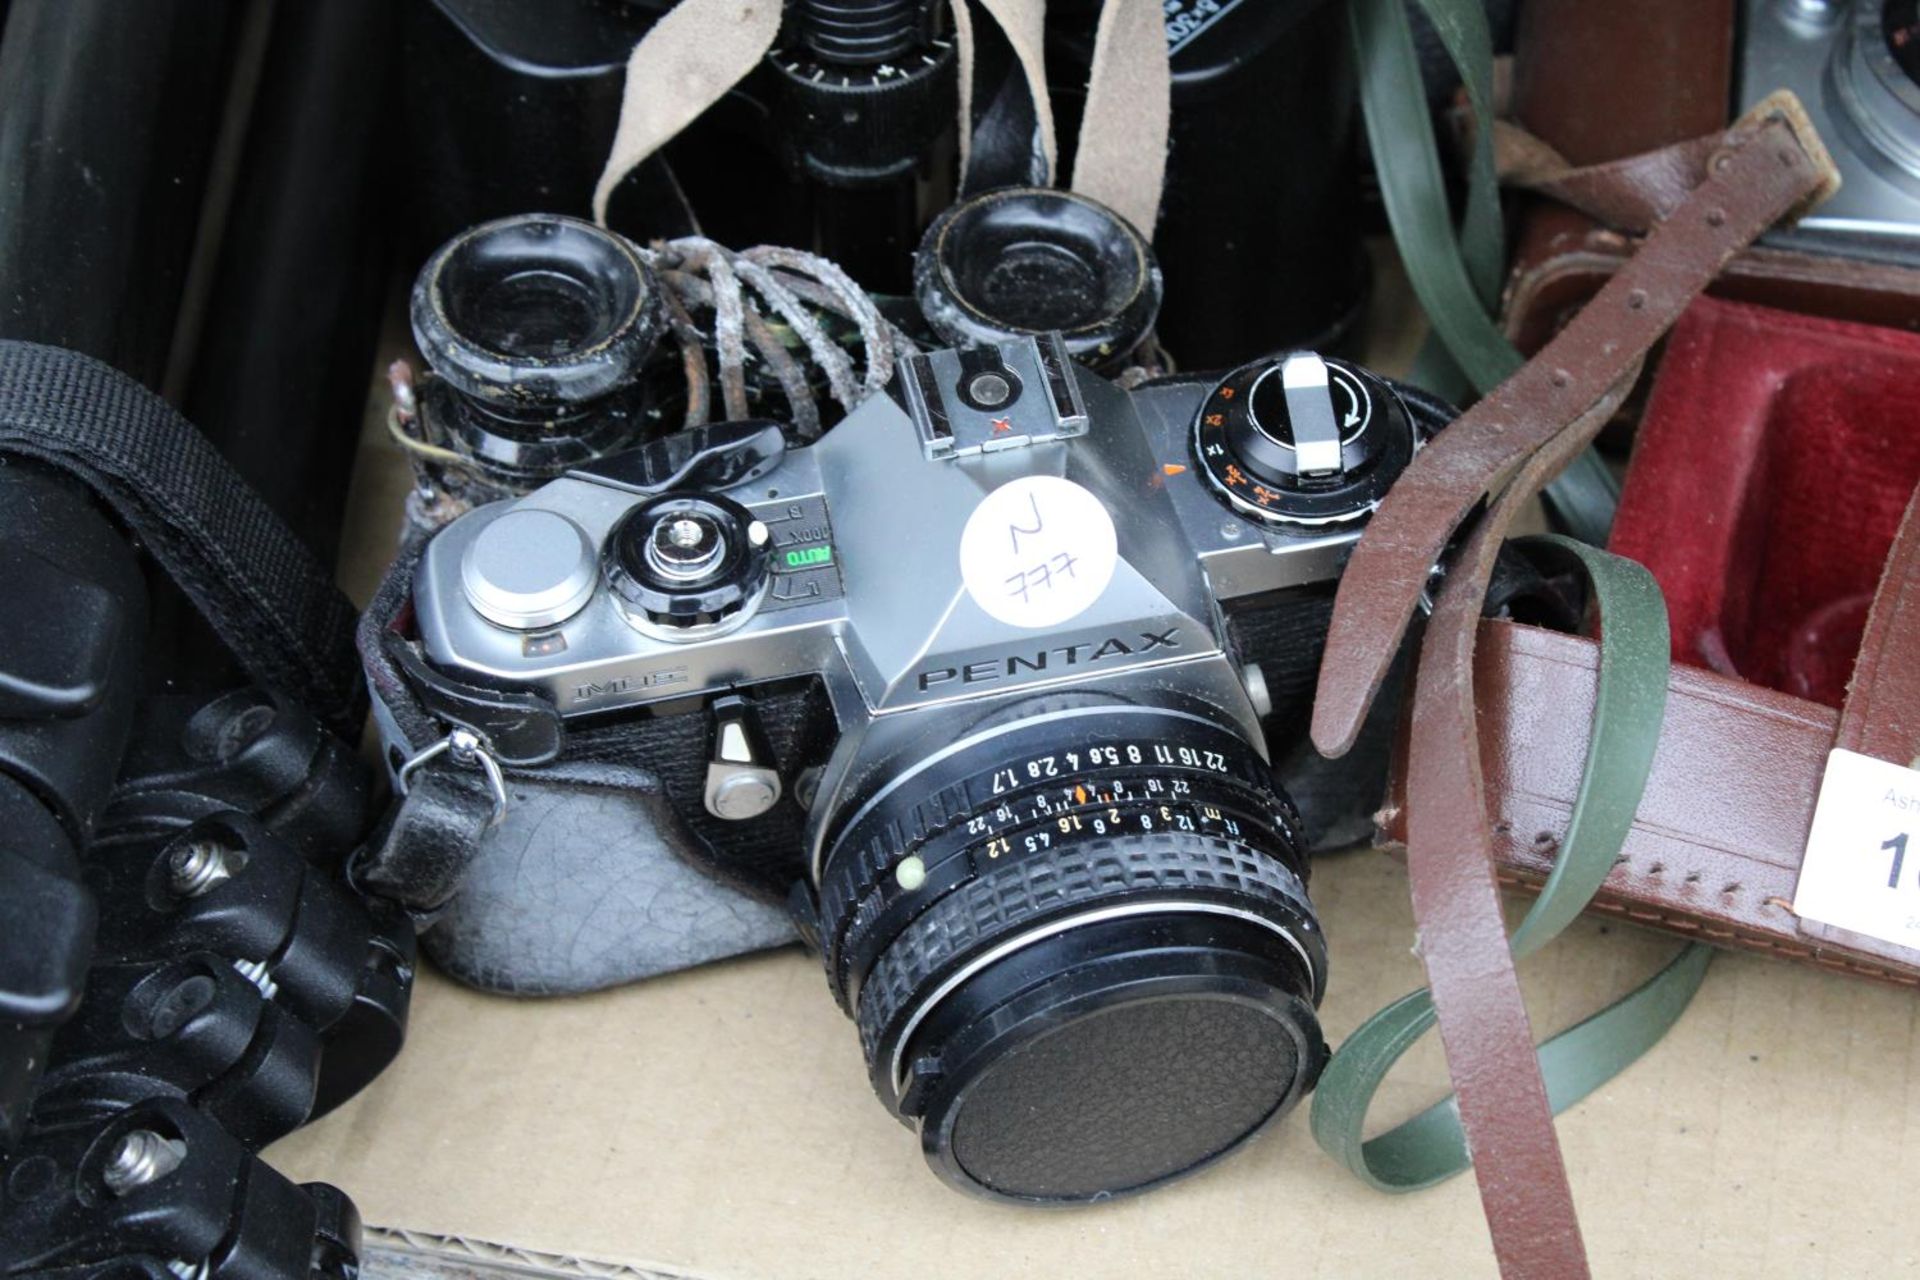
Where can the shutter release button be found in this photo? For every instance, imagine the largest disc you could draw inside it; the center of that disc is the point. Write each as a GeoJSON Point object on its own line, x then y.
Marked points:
{"type": "Point", "coordinates": [528, 569]}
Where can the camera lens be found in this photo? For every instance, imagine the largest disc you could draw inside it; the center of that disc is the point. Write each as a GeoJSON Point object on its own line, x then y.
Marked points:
{"type": "Point", "coordinates": [537, 328]}
{"type": "Point", "coordinates": [1078, 947]}
{"type": "Point", "coordinates": [1900, 29]}
{"type": "Point", "coordinates": [1032, 260]}
{"type": "Point", "coordinates": [1874, 77]}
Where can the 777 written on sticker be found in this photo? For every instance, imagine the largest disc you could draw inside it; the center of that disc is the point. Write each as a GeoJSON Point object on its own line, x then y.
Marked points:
{"type": "Point", "coordinates": [1857, 873]}
{"type": "Point", "coordinates": [1038, 551]}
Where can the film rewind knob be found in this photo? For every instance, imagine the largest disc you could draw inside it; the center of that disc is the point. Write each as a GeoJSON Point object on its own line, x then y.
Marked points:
{"type": "Point", "coordinates": [1298, 439]}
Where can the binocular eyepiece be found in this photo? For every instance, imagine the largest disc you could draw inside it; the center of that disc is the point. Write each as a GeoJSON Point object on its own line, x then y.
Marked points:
{"type": "Point", "coordinates": [538, 327]}
{"type": "Point", "coordinates": [1022, 261]}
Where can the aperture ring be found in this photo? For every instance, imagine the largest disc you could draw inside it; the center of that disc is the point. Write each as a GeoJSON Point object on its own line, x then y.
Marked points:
{"type": "Point", "coordinates": [1028, 891]}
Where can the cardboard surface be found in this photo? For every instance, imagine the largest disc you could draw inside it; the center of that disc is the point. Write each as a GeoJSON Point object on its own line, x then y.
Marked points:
{"type": "Point", "coordinates": [718, 1123]}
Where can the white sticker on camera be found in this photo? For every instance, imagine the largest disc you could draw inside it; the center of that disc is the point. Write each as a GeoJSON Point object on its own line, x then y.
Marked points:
{"type": "Point", "coordinates": [1862, 869]}
{"type": "Point", "coordinates": [1038, 551]}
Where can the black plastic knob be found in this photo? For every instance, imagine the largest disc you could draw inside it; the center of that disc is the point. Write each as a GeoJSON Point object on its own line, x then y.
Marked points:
{"type": "Point", "coordinates": [1021, 261]}
{"type": "Point", "coordinates": [685, 561]}
{"type": "Point", "coordinates": [1297, 439]}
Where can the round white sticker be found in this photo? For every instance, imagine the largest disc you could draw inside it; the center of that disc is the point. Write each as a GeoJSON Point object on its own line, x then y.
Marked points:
{"type": "Point", "coordinates": [1038, 551]}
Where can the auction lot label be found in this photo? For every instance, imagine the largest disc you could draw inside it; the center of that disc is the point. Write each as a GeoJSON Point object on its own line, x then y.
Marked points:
{"type": "Point", "coordinates": [1862, 869]}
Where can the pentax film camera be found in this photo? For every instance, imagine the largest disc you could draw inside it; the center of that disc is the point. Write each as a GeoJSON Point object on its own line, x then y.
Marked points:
{"type": "Point", "coordinates": [980, 677]}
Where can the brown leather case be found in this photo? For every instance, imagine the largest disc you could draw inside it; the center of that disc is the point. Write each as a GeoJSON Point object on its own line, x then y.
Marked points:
{"type": "Point", "coordinates": [1602, 81]}
{"type": "Point", "coordinates": [1715, 848]}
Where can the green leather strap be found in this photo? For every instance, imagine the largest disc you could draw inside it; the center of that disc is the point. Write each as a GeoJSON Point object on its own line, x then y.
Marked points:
{"type": "Point", "coordinates": [1457, 279]}
{"type": "Point", "coordinates": [1629, 705]}
{"type": "Point", "coordinates": [1463, 32]}
{"type": "Point", "coordinates": [1415, 195]}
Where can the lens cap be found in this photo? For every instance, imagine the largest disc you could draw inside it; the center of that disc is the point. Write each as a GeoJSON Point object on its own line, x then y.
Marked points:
{"type": "Point", "coordinates": [1093, 1023]}
{"type": "Point", "coordinates": [1113, 1057]}
{"type": "Point", "coordinates": [536, 310]}
{"type": "Point", "coordinates": [1030, 260]}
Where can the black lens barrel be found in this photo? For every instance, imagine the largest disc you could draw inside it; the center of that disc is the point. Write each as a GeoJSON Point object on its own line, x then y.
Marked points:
{"type": "Point", "coordinates": [1001, 915]}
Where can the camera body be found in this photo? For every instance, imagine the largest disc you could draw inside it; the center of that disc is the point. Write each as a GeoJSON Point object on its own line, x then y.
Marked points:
{"type": "Point", "coordinates": [1027, 796]}
{"type": "Point", "coordinates": [876, 572]}
{"type": "Point", "coordinates": [1856, 66]}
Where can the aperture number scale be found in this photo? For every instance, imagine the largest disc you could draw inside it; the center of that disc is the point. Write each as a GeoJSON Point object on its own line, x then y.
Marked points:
{"type": "Point", "coordinates": [1042, 818]}
{"type": "Point", "coordinates": [1067, 763]}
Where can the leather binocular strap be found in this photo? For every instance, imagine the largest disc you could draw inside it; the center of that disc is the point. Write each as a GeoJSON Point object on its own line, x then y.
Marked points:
{"type": "Point", "coordinates": [1122, 156]}
{"type": "Point", "coordinates": [1506, 448]}
{"type": "Point", "coordinates": [703, 48]}
{"type": "Point", "coordinates": [1122, 160]}
{"type": "Point", "coordinates": [684, 64]}
{"type": "Point", "coordinates": [1767, 164]}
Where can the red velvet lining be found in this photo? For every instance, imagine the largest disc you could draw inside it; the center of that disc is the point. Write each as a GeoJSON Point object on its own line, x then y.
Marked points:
{"type": "Point", "coordinates": [1774, 461]}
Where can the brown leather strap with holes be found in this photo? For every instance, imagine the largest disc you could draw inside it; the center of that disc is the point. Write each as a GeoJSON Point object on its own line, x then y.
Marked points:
{"type": "Point", "coordinates": [1630, 194]}
{"type": "Point", "coordinates": [1456, 907]}
{"type": "Point", "coordinates": [1769, 162]}
{"type": "Point", "coordinates": [1505, 449]}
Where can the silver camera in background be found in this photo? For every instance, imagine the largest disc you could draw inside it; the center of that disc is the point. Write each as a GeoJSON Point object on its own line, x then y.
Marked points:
{"type": "Point", "coordinates": [1855, 64]}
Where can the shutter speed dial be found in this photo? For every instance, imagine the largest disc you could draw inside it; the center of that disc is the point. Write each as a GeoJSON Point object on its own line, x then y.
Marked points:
{"type": "Point", "coordinates": [1301, 440]}
{"type": "Point", "coordinates": [687, 566]}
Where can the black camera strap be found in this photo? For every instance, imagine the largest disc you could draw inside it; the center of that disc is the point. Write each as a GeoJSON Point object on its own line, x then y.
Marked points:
{"type": "Point", "coordinates": [264, 593]}
{"type": "Point", "coordinates": [448, 803]}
